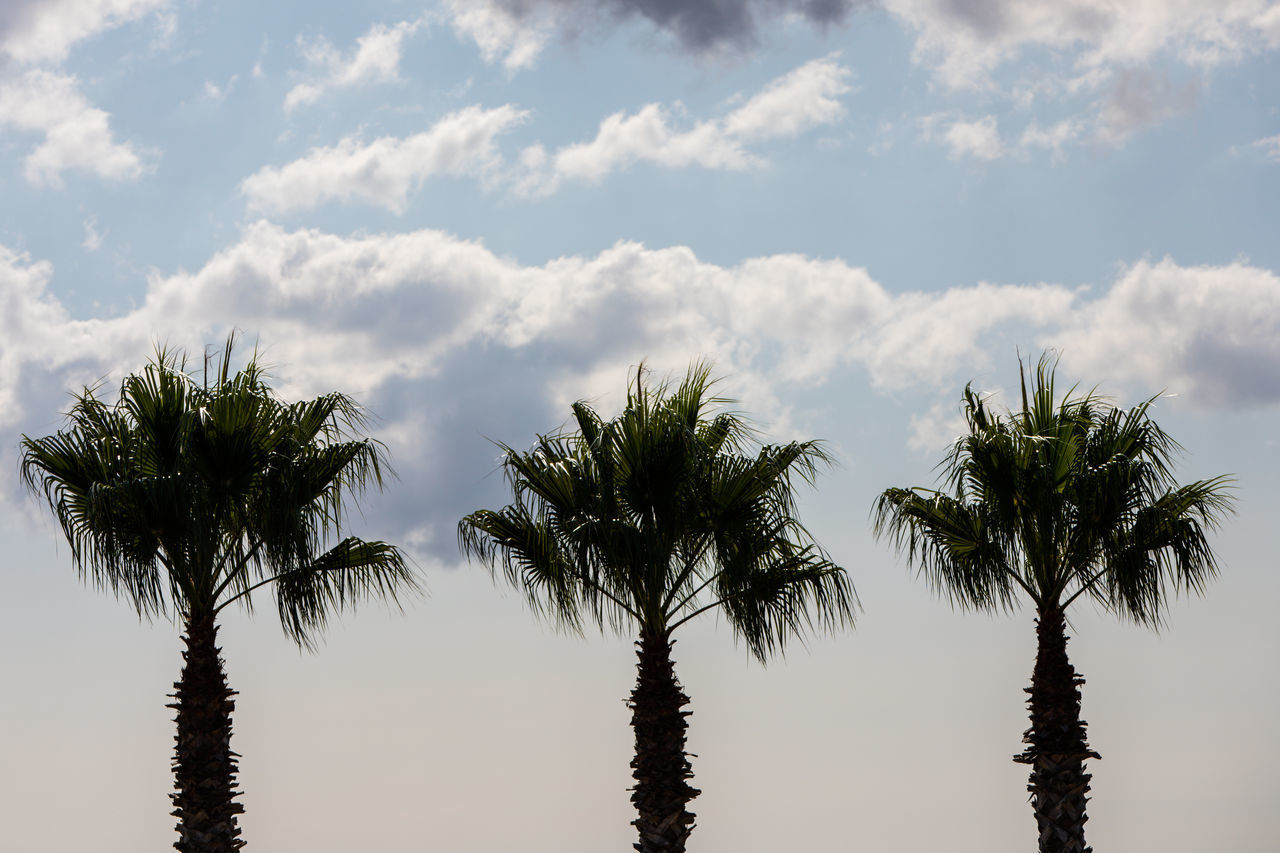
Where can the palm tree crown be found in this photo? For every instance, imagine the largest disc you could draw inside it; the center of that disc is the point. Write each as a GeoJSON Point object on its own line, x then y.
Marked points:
{"type": "Point", "coordinates": [1061, 499]}
{"type": "Point", "coordinates": [650, 519]}
{"type": "Point", "coordinates": [186, 497]}
{"type": "Point", "coordinates": [645, 521]}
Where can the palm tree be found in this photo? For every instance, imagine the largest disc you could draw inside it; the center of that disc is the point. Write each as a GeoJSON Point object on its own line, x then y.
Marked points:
{"type": "Point", "coordinates": [186, 497]}
{"type": "Point", "coordinates": [1064, 499]}
{"type": "Point", "coordinates": [646, 521]}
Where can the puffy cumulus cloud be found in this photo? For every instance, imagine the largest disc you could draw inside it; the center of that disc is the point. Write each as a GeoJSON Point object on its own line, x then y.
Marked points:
{"type": "Point", "coordinates": [43, 31]}
{"type": "Point", "coordinates": [1208, 333]}
{"type": "Point", "coordinates": [967, 41]}
{"type": "Point", "coordinates": [798, 101]}
{"type": "Point", "coordinates": [516, 37]}
{"type": "Point", "coordinates": [517, 30]}
{"type": "Point", "coordinates": [35, 36]}
{"type": "Point", "coordinates": [77, 135]}
{"type": "Point", "coordinates": [926, 331]}
{"type": "Point", "coordinates": [42, 340]}
{"type": "Point", "coordinates": [451, 344]}
{"type": "Point", "coordinates": [374, 59]}
{"type": "Point", "coordinates": [793, 103]}
{"type": "Point", "coordinates": [383, 171]}
{"type": "Point", "coordinates": [623, 139]}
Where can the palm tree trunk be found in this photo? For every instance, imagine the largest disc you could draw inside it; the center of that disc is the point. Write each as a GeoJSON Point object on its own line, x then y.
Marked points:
{"type": "Point", "coordinates": [661, 766]}
{"type": "Point", "coordinates": [204, 767]}
{"type": "Point", "coordinates": [1056, 745]}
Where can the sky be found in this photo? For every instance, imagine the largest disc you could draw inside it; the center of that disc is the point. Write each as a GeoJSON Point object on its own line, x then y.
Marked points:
{"type": "Point", "coordinates": [470, 213]}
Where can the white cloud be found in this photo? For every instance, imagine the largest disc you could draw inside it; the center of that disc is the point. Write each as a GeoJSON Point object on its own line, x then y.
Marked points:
{"type": "Point", "coordinates": [38, 34]}
{"type": "Point", "coordinates": [448, 342]}
{"type": "Point", "coordinates": [1121, 58]}
{"type": "Point", "coordinates": [798, 101]}
{"type": "Point", "coordinates": [795, 102]}
{"type": "Point", "coordinates": [500, 33]}
{"type": "Point", "coordinates": [375, 59]}
{"type": "Point", "coordinates": [1207, 333]}
{"type": "Point", "coordinates": [77, 136]}
{"type": "Point", "coordinates": [43, 31]}
{"type": "Point", "coordinates": [41, 340]}
{"type": "Point", "coordinates": [966, 42]}
{"type": "Point", "coordinates": [383, 171]}
{"type": "Point", "coordinates": [1134, 99]}
{"type": "Point", "coordinates": [1270, 147]}
{"type": "Point", "coordinates": [647, 136]}
{"type": "Point", "coordinates": [1055, 137]}
{"type": "Point", "coordinates": [219, 93]}
{"type": "Point", "coordinates": [444, 338]}
{"type": "Point", "coordinates": [978, 139]}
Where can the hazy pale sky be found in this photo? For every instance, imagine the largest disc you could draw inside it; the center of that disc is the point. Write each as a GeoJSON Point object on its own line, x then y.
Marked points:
{"type": "Point", "coordinates": [470, 213]}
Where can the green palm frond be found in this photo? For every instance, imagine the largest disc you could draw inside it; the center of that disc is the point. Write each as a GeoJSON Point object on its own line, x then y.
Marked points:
{"type": "Point", "coordinates": [349, 573]}
{"type": "Point", "coordinates": [1067, 497]}
{"type": "Point", "coordinates": [190, 495]}
{"type": "Point", "coordinates": [659, 514]}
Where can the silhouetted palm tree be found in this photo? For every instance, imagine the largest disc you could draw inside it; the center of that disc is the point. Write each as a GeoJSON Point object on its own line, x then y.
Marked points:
{"type": "Point", "coordinates": [1061, 500]}
{"type": "Point", "coordinates": [646, 521]}
{"type": "Point", "coordinates": [186, 497]}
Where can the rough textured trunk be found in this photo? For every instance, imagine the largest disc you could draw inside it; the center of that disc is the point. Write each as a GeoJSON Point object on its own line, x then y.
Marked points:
{"type": "Point", "coordinates": [661, 766]}
{"type": "Point", "coordinates": [1056, 746]}
{"type": "Point", "coordinates": [204, 767]}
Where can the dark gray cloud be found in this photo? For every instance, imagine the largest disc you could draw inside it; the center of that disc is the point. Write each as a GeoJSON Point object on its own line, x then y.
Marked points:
{"type": "Point", "coordinates": [700, 26]}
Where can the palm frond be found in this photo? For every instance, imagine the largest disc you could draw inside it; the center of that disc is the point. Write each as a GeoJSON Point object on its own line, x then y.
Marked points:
{"type": "Point", "coordinates": [659, 514]}
{"type": "Point", "coordinates": [351, 572]}
{"type": "Point", "coordinates": [194, 494]}
{"type": "Point", "coordinates": [1068, 496]}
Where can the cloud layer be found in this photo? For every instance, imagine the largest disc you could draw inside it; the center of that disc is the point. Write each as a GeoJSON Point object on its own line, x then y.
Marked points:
{"type": "Point", "coordinates": [374, 59]}
{"type": "Point", "coordinates": [1208, 333]}
{"type": "Point", "coordinates": [451, 344]}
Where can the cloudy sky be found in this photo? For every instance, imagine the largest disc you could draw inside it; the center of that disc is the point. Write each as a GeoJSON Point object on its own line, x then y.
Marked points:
{"type": "Point", "coordinates": [469, 213]}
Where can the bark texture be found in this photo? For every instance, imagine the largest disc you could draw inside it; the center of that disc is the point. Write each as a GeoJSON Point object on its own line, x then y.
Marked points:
{"type": "Point", "coordinates": [204, 767]}
{"type": "Point", "coordinates": [661, 767]}
{"type": "Point", "coordinates": [1056, 744]}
